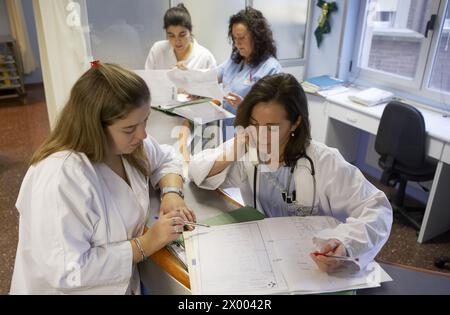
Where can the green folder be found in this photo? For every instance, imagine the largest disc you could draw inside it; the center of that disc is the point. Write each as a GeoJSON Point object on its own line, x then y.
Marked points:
{"type": "Point", "coordinates": [243, 214]}
{"type": "Point", "coordinates": [170, 111]}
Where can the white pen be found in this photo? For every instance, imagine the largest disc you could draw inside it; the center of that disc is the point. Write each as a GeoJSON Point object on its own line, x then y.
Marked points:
{"type": "Point", "coordinates": [195, 224]}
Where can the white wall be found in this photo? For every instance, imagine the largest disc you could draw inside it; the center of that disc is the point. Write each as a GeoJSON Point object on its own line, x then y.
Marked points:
{"type": "Point", "coordinates": [123, 31]}
{"type": "Point", "coordinates": [325, 60]}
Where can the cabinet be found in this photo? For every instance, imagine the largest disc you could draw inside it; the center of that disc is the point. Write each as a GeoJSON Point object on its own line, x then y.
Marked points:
{"type": "Point", "coordinates": [11, 69]}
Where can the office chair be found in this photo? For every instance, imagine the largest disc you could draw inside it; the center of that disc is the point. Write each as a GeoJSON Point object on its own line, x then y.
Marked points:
{"type": "Point", "coordinates": [440, 262]}
{"type": "Point", "coordinates": [400, 141]}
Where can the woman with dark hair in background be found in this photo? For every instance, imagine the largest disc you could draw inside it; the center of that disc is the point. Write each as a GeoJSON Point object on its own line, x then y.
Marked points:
{"type": "Point", "coordinates": [252, 58]}
{"type": "Point", "coordinates": [288, 174]}
{"type": "Point", "coordinates": [180, 48]}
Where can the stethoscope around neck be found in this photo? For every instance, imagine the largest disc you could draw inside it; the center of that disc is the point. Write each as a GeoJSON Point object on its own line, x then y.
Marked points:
{"type": "Point", "coordinates": [286, 195]}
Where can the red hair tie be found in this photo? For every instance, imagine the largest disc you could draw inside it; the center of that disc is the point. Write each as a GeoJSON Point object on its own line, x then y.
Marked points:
{"type": "Point", "coordinates": [95, 64]}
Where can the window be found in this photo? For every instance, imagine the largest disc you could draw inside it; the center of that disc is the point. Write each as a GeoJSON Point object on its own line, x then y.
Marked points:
{"type": "Point", "coordinates": [124, 33]}
{"type": "Point", "coordinates": [398, 47]}
{"type": "Point", "coordinates": [440, 75]}
{"type": "Point", "coordinates": [287, 19]}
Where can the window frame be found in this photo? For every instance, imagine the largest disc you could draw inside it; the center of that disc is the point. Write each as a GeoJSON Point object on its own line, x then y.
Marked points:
{"type": "Point", "coordinates": [416, 87]}
{"type": "Point", "coordinates": [297, 62]}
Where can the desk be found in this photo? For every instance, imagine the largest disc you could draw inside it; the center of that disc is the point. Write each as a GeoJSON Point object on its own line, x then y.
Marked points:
{"type": "Point", "coordinates": [344, 120]}
{"type": "Point", "coordinates": [410, 281]}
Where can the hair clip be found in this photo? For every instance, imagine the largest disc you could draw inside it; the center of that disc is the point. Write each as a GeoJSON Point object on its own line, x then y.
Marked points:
{"type": "Point", "coordinates": [95, 64]}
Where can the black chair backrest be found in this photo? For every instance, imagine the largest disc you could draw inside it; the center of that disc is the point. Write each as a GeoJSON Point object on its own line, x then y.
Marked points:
{"type": "Point", "coordinates": [401, 134]}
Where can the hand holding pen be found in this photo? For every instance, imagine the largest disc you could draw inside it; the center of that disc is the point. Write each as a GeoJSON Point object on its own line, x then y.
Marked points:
{"type": "Point", "coordinates": [331, 256]}
{"type": "Point", "coordinates": [178, 223]}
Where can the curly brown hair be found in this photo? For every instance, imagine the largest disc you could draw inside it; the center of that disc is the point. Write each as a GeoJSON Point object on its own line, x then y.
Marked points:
{"type": "Point", "coordinates": [263, 43]}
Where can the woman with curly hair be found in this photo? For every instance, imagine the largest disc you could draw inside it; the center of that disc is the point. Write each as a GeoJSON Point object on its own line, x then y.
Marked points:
{"type": "Point", "coordinates": [252, 58]}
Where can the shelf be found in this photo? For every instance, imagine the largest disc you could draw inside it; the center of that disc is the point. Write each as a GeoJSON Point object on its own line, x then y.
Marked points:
{"type": "Point", "coordinates": [9, 96]}
{"type": "Point", "coordinates": [9, 78]}
{"type": "Point", "coordinates": [10, 87]}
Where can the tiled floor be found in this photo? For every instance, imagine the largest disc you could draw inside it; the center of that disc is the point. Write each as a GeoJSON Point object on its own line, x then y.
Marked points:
{"type": "Point", "coordinates": [24, 126]}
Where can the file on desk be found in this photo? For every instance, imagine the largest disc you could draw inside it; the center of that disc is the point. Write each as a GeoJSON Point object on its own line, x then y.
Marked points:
{"type": "Point", "coordinates": [269, 256]}
{"type": "Point", "coordinates": [320, 83]}
{"type": "Point", "coordinates": [371, 97]}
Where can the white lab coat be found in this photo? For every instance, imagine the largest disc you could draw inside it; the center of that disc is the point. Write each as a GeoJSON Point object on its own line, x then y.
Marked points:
{"type": "Point", "coordinates": [342, 192]}
{"type": "Point", "coordinates": [162, 56]}
{"type": "Point", "coordinates": [76, 218]}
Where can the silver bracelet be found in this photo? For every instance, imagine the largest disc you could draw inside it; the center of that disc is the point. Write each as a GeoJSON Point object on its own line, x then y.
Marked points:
{"type": "Point", "coordinates": [141, 249]}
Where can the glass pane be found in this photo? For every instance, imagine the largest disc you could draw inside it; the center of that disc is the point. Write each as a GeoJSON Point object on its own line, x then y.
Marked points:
{"type": "Point", "coordinates": [288, 22]}
{"type": "Point", "coordinates": [440, 75]}
{"type": "Point", "coordinates": [394, 35]}
{"type": "Point", "coordinates": [124, 31]}
{"type": "Point", "coordinates": [210, 24]}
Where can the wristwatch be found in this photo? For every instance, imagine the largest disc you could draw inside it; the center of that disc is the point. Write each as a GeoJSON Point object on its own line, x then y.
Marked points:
{"type": "Point", "coordinates": [172, 189]}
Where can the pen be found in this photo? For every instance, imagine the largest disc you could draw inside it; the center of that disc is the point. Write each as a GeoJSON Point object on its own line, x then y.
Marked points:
{"type": "Point", "coordinates": [343, 258]}
{"type": "Point", "coordinates": [195, 224]}
{"type": "Point", "coordinates": [190, 223]}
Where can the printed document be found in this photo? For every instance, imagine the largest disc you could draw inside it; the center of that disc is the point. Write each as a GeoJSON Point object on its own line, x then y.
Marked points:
{"type": "Point", "coordinates": [269, 256]}
{"type": "Point", "coordinates": [197, 82]}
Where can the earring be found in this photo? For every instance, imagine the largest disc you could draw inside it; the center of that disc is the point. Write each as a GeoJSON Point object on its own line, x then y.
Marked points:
{"type": "Point", "coordinates": [292, 133]}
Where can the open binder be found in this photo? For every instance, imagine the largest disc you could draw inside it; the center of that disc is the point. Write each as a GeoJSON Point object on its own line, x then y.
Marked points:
{"type": "Point", "coordinates": [163, 86]}
{"type": "Point", "coordinates": [269, 256]}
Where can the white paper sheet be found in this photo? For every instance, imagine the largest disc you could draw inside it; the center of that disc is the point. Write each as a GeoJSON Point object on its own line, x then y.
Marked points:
{"type": "Point", "coordinates": [248, 258]}
{"type": "Point", "coordinates": [220, 249]}
{"type": "Point", "coordinates": [162, 90]}
{"type": "Point", "coordinates": [203, 113]}
{"type": "Point", "coordinates": [197, 82]}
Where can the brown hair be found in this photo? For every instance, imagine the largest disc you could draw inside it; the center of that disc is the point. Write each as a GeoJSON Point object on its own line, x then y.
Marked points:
{"type": "Point", "coordinates": [284, 89]}
{"type": "Point", "coordinates": [101, 96]}
{"type": "Point", "coordinates": [178, 16]}
{"type": "Point", "coordinates": [263, 43]}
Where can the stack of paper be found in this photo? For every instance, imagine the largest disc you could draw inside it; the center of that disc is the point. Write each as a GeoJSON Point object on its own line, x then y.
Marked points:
{"type": "Point", "coordinates": [269, 256]}
{"type": "Point", "coordinates": [371, 97]}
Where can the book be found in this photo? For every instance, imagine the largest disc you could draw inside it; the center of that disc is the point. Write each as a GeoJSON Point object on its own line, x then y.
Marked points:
{"type": "Point", "coordinates": [320, 83]}
{"type": "Point", "coordinates": [269, 256]}
{"type": "Point", "coordinates": [371, 97]}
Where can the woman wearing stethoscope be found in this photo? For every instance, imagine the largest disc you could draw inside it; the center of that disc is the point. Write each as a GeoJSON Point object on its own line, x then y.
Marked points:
{"type": "Point", "coordinates": [308, 178]}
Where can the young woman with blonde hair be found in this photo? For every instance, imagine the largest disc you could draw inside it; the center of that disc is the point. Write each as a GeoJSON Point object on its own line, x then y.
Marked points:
{"type": "Point", "coordinates": [84, 201]}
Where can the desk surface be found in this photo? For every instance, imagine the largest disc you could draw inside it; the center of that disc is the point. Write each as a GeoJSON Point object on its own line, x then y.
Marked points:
{"type": "Point", "coordinates": [410, 281]}
{"type": "Point", "coordinates": [436, 125]}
